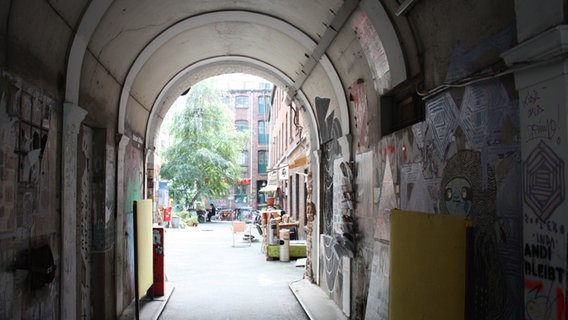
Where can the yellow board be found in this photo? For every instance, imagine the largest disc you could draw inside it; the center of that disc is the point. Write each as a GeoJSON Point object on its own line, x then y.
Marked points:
{"type": "Point", "coordinates": [428, 266]}
{"type": "Point", "coordinates": [144, 245]}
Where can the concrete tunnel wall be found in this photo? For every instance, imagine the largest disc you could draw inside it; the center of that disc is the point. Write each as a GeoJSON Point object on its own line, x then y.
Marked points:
{"type": "Point", "coordinates": [472, 136]}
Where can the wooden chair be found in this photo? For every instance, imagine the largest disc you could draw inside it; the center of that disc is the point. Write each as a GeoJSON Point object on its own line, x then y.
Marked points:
{"type": "Point", "coordinates": [240, 227]}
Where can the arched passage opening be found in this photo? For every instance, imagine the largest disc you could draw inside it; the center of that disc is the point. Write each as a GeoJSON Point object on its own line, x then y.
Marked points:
{"type": "Point", "coordinates": [213, 273]}
{"type": "Point", "coordinates": [306, 58]}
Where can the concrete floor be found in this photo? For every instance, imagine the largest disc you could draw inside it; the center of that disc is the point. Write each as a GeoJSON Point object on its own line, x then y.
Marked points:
{"type": "Point", "coordinates": [214, 280]}
{"type": "Point", "coordinates": [208, 278]}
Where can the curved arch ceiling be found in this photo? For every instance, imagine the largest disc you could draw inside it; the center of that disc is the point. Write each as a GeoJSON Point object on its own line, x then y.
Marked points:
{"type": "Point", "coordinates": [230, 34]}
{"type": "Point", "coordinates": [155, 52]}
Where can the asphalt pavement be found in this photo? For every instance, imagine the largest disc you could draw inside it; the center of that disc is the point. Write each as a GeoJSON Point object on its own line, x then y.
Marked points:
{"type": "Point", "coordinates": [211, 279]}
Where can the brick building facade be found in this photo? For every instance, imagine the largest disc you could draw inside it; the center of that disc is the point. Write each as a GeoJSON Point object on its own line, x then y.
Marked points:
{"type": "Point", "coordinates": [249, 100]}
{"type": "Point", "coordinates": [288, 157]}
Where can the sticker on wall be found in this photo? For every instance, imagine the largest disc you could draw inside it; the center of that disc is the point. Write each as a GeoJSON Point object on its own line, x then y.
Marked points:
{"type": "Point", "coordinates": [417, 193]}
{"type": "Point", "coordinates": [419, 131]}
{"type": "Point", "coordinates": [378, 297]}
{"type": "Point", "coordinates": [485, 109]}
{"type": "Point", "coordinates": [386, 203]}
{"type": "Point", "coordinates": [442, 118]}
{"type": "Point", "coordinates": [477, 100]}
{"type": "Point", "coordinates": [544, 187]}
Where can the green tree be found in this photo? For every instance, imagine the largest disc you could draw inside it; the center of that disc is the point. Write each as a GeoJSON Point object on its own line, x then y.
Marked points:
{"type": "Point", "coordinates": [202, 159]}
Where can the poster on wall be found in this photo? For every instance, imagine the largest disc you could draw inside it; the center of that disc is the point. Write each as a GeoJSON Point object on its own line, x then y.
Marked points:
{"type": "Point", "coordinates": [387, 201]}
{"type": "Point", "coordinates": [378, 296]}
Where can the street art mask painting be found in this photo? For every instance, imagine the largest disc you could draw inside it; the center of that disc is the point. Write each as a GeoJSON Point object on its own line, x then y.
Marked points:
{"type": "Point", "coordinates": [458, 196]}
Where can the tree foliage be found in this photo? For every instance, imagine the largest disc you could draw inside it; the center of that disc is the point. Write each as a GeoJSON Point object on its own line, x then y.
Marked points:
{"type": "Point", "coordinates": [202, 159]}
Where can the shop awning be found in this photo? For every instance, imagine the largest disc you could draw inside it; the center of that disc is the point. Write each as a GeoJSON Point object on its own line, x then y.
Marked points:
{"type": "Point", "coordinates": [269, 188]}
{"type": "Point", "coordinates": [243, 181]}
{"type": "Point", "coordinates": [299, 162]}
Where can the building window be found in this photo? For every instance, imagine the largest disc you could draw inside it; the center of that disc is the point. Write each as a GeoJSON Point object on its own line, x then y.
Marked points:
{"type": "Point", "coordinates": [243, 158]}
{"type": "Point", "coordinates": [225, 100]}
{"type": "Point", "coordinates": [262, 133]}
{"type": "Point", "coordinates": [241, 125]}
{"type": "Point", "coordinates": [263, 104]}
{"type": "Point", "coordinates": [241, 195]}
{"type": "Point", "coordinates": [241, 102]}
{"type": "Point", "coordinates": [262, 161]}
{"type": "Point", "coordinates": [265, 85]}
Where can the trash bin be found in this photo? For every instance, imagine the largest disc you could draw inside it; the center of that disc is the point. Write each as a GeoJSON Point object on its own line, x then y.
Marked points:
{"type": "Point", "coordinates": [175, 222]}
{"type": "Point", "coordinates": [284, 245]}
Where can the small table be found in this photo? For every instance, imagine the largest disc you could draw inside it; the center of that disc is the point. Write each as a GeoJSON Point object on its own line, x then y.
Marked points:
{"type": "Point", "coordinates": [286, 226]}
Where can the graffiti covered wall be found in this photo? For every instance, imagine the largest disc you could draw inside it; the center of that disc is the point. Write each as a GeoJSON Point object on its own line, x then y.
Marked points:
{"type": "Point", "coordinates": [29, 200]}
{"type": "Point", "coordinates": [464, 159]}
{"type": "Point", "coordinates": [334, 242]}
{"type": "Point", "coordinates": [84, 217]}
{"type": "Point", "coordinates": [544, 206]}
{"type": "Point", "coordinates": [457, 162]}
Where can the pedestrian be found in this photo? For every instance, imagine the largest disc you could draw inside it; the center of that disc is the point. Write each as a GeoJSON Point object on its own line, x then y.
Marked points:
{"type": "Point", "coordinates": [211, 212]}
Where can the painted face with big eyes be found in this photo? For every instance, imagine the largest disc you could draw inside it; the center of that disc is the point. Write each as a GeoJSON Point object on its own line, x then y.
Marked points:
{"type": "Point", "coordinates": [458, 196]}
